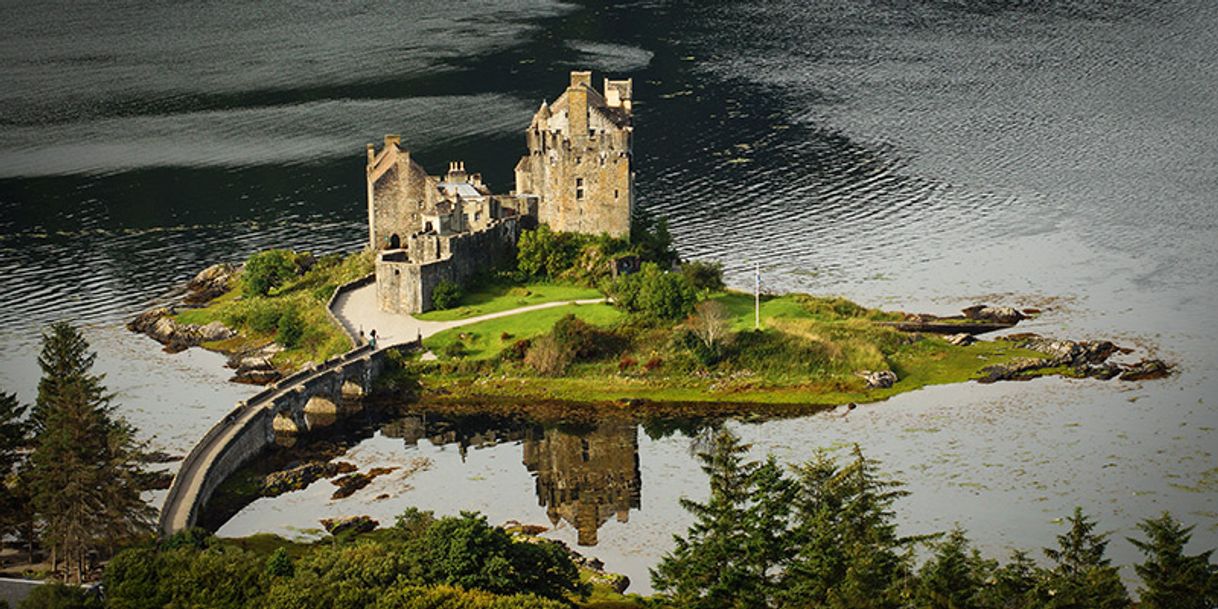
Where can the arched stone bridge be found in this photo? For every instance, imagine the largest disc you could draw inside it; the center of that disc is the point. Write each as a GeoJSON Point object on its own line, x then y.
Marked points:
{"type": "Point", "coordinates": [250, 428]}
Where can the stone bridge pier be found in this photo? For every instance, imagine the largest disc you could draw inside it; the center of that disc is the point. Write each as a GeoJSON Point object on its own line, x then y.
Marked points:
{"type": "Point", "coordinates": [319, 401]}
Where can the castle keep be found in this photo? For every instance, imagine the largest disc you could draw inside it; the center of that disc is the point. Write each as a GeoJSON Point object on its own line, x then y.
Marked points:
{"type": "Point", "coordinates": [577, 177]}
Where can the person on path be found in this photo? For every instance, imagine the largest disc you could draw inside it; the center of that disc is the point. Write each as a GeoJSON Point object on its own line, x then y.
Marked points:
{"type": "Point", "coordinates": [372, 338]}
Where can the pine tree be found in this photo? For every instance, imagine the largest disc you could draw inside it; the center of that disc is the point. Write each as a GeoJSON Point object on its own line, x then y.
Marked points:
{"type": "Point", "coordinates": [84, 467]}
{"type": "Point", "coordinates": [14, 432]}
{"type": "Point", "coordinates": [1082, 577]}
{"type": "Point", "coordinates": [1013, 585]}
{"type": "Point", "coordinates": [709, 568]}
{"type": "Point", "coordinates": [767, 523]}
{"type": "Point", "coordinates": [954, 577]}
{"type": "Point", "coordinates": [849, 554]}
{"type": "Point", "coordinates": [1172, 579]}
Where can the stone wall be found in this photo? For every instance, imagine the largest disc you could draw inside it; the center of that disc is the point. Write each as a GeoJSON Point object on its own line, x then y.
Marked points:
{"type": "Point", "coordinates": [580, 162]}
{"type": "Point", "coordinates": [406, 278]}
{"type": "Point", "coordinates": [399, 190]}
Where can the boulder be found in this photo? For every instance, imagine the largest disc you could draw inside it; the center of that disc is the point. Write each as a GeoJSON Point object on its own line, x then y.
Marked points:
{"type": "Point", "coordinates": [301, 476]}
{"type": "Point", "coordinates": [962, 339]}
{"type": "Point", "coordinates": [880, 379]}
{"type": "Point", "coordinates": [214, 331]}
{"type": "Point", "coordinates": [615, 581]}
{"type": "Point", "coordinates": [1147, 369]}
{"type": "Point", "coordinates": [349, 524]}
{"type": "Point", "coordinates": [210, 283]}
{"type": "Point", "coordinates": [1015, 370]}
{"type": "Point", "coordinates": [1001, 315]}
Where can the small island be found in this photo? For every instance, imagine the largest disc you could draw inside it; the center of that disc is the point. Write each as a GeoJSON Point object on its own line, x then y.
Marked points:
{"type": "Point", "coordinates": [562, 290]}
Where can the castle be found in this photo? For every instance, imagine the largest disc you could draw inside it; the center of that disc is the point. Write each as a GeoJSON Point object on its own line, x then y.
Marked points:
{"type": "Point", "coordinates": [577, 176]}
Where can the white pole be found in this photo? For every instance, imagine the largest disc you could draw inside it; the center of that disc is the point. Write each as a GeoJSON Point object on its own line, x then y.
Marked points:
{"type": "Point", "coordinates": [757, 297]}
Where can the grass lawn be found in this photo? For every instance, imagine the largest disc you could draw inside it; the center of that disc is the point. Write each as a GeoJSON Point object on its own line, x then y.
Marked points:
{"type": "Point", "coordinates": [254, 319]}
{"type": "Point", "coordinates": [495, 297]}
{"type": "Point", "coordinates": [808, 354]}
{"type": "Point", "coordinates": [485, 339]}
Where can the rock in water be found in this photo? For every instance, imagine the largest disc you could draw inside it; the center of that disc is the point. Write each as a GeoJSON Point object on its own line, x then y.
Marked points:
{"type": "Point", "coordinates": [881, 379]}
{"type": "Point", "coordinates": [352, 524]}
{"type": "Point", "coordinates": [1147, 369]}
{"type": "Point", "coordinates": [210, 283]}
{"type": "Point", "coordinates": [1001, 315]}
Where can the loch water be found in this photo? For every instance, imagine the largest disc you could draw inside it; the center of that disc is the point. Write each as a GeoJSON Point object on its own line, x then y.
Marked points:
{"type": "Point", "coordinates": [921, 155]}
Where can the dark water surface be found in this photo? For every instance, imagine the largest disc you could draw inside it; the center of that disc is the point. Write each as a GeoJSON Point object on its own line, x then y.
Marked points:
{"type": "Point", "coordinates": [921, 155]}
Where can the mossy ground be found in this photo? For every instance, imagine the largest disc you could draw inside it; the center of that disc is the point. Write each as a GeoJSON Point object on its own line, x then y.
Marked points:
{"type": "Point", "coordinates": [306, 295]}
{"type": "Point", "coordinates": [496, 296]}
{"type": "Point", "coordinates": [808, 353]}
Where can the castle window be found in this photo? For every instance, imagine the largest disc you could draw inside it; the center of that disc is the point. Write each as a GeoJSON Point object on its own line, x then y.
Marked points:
{"type": "Point", "coordinates": [614, 193]}
{"type": "Point", "coordinates": [579, 188]}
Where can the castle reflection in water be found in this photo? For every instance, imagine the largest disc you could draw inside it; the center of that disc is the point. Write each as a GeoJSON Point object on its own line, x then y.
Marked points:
{"type": "Point", "coordinates": [583, 475]}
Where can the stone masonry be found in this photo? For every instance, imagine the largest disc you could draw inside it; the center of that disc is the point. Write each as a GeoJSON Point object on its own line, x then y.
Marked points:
{"type": "Point", "coordinates": [576, 177]}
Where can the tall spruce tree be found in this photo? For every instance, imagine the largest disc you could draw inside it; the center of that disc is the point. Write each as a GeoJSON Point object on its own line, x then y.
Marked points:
{"type": "Point", "coordinates": [954, 577]}
{"type": "Point", "coordinates": [768, 522]}
{"type": "Point", "coordinates": [849, 553]}
{"type": "Point", "coordinates": [709, 568]}
{"type": "Point", "coordinates": [1082, 576]}
{"type": "Point", "coordinates": [84, 467]}
{"type": "Point", "coordinates": [1172, 579]}
{"type": "Point", "coordinates": [14, 437]}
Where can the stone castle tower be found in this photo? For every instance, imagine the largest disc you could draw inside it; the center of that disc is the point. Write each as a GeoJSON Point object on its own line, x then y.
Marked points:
{"type": "Point", "coordinates": [579, 163]}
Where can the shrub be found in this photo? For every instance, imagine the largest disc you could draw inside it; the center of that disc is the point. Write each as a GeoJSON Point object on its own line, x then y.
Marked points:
{"type": "Point", "coordinates": [454, 349]}
{"type": "Point", "coordinates": [266, 271]}
{"type": "Point", "coordinates": [547, 253]}
{"type": "Point", "coordinates": [547, 356]}
{"type": "Point", "coordinates": [518, 350]}
{"type": "Point", "coordinates": [289, 329]}
{"type": "Point", "coordinates": [416, 597]}
{"type": "Point", "coordinates": [654, 294]}
{"type": "Point", "coordinates": [626, 363]}
{"type": "Point", "coordinates": [706, 276]}
{"type": "Point", "coordinates": [651, 239]}
{"type": "Point", "coordinates": [465, 551]}
{"type": "Point", "coordinates": [652, 364]}
{"type": "Point", "coordinates": [263, 317]}
{"type": "Point", "coordinates": [57, 595]}
{"type": "Point", "coordinates": [445, 295]}
{"type": "Point", "coordinates": [505, 336]}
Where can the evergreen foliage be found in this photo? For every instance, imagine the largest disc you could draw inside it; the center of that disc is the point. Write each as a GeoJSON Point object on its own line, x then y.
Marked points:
{"type": "Point", "coordinates": [703, 276]}
{"type": "Point", "coordinates": [1171, 578]}
{"type": "Point", "coordinates": [14, 436]}
{"type": "Point", "coordinates": [85, 469]}
{"type": "Point", "coordinates": [1082, 576]}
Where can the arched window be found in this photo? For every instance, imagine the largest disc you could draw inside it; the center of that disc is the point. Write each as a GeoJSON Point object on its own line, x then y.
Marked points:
{"type": "Point", "coordinates": [395, 242]}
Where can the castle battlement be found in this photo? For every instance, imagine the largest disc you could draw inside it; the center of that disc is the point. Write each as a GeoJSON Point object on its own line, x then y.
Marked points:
{"type": "Point", "coordinates": [577, 176]}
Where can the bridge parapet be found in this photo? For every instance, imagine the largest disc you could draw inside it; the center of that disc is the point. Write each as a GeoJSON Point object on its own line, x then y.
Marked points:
{"type": "Point", "coordinates": [248, 429]}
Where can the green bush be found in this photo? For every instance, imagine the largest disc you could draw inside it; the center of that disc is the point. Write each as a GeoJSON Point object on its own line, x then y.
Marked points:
{"type": "Point", "coordinates": [417, 597]}
{"type": "Point", "coordinates": [547, 253]}
{"type": "Point", "coordinates": [263, 317]}
{"type": "Point", "coordinates": [454, 349]}
{"type": "Point", "coordinates": [707, 276]}
{"type": "Point", "coordinates": [57, 595]}
{"type": "Point", "coordinates": [445, 295]}
{"type": "Point", "coordinates": [654, 294]}
{"type": "Point", "coordinates": [266, 271]}
{"type": "Point", "coordinates": [289, 329]}
{"type": "Point", "coordinates": [465, 551]}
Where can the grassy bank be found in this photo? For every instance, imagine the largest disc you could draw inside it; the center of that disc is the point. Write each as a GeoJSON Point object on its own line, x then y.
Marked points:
{"type": "Point", "coordinates": [495, 296]}
{"type": "Point", "coordinates": [810, 352]}
{"type": "Point", "coordinates": [258, 319]}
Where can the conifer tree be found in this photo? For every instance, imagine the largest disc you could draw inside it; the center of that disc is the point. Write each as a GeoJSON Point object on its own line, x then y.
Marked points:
{"type": "Point", "coordinates": [13, 439]}
{"type": "Point", "coordinates": [767, 522]}
{"type": "Point", "coordinates": [1013, 585]}
{"type": "Point", "coordinates": [1082, 576]}
{"type": "Point", "coordinates": [1171, 578]}
{"type": "Point", "coordinates": [709, 568]}
{"type": "Point", "coordinates": [84, 467]}
{"type": "Point", "coordinates": [954, 576]}
{"type": "Point", "coordinates": [849, 552]}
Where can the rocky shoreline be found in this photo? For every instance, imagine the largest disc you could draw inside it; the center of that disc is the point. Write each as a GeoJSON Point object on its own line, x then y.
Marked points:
{"type": "Point", "coordinates": [1084, 359]}
{"type": "Point", "coordinates": [252, 365]}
